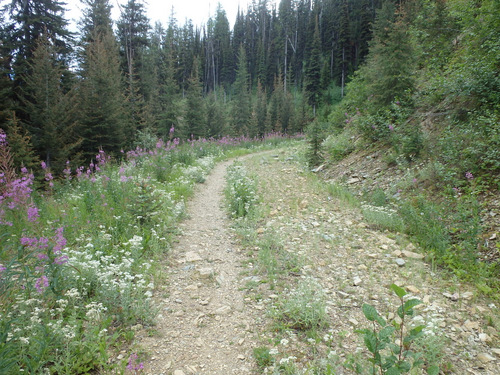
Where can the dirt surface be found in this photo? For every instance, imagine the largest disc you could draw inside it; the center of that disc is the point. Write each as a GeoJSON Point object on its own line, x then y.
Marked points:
{"type": "Point", "coordinates": [204, 326]}
{"type": "Point", "coordinates": [211, 318]}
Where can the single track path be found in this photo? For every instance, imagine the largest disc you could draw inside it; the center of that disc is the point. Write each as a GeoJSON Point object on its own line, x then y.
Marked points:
{"type": "Point", "coordinates": [204, 326]}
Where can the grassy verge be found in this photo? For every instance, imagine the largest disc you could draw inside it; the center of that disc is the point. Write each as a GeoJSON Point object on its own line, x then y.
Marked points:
{"type": "Point", "coordinates": [79, 260]}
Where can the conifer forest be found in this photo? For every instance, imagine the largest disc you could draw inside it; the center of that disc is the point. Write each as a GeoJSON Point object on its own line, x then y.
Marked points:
{"type": "Point", "coordinates": [371, 134]}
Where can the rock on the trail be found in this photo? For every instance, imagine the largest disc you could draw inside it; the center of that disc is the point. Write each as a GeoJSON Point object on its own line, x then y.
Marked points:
{"type": "Point", "coordinates": [412, 255]}
{"type": "Point", "coordinates": [223, 310]}
{"type": "Point", "coordinates": [179, 372]}
{"type": "Point", "coordinates": [205, 272]}
{"type": "Point", "coordinates": [400, 262]}
{"type": "Point", "coordinates": [356, 281]}
{"type": "Point", "coordinates": [192, 256]}
{"type": "Point", "coordinates": [485, 357]}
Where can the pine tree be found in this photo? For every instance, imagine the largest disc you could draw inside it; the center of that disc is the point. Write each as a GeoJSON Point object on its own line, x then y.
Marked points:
{"type": "Point", "coordinates": [194, 116]}
{"type": "Point", "coordinates": [102, 105]}
{"type": "Point", "coordinates": [390, 64]}
{"type": "Point", "coordinates": [241, 110]}
{"type": "Point", "coordinates": [215, 123]}
{"type": "Point", "coordinates": [313, 69]}
{"type": "Point", "coordinates": [51, 107]}
{"type": "Point", "coordinates": [30, 19]}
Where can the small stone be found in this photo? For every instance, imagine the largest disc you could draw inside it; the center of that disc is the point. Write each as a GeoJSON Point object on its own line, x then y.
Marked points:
{"type": "Point", "coordinates": [467, 295]}
{"type": "Point", "coordinates": [315, 224]}
{"type": "Point", "coordinates": [453, 297]}
{"type": "Point", "coordinates": [471, 325]}
{"type": "Point", "coordinates": [356, 281]}
{"type": "Point", "coordinates": [204, 302]}
{"type": "Point", "coordinates": [179, 372]}
{"type": "Point", "coordinates": [353, 180]}
{"type": "Point", "coordinates": [353, 321]}
{"type": "Point", "coordinates": [427, 299]}
{"type": "Point", "coordinates": [342, 294]}
{"type": "Point", "coordinates": [485, 357]}
{"type": "Point", "coordinates": [412, 289]}
{"type": "Point", "coordinates": [397, 253]}
{"type": "Point", "coordinates": [484, 337]}
{"type": "Point", "coordinates": [496, 351]}
{"type": "Point", "coordinates": [273, 296]}
{"type": "Point", "coordinates": [412, 255]}
{"type": "Point", "coordinates": [260, 230]}
{"type": "Point", "coordinates": [192, 256]}
{"type": "Point", "coordinates": [241, 357]}
{"type": "Point", "coordinates": [205, 272]}
{"type": "Point", "coordinates": [400, 262]}
{"type": "Point", "coordinates": [223, 310]}
{"type": "Point", "coordinates": [362, 267]}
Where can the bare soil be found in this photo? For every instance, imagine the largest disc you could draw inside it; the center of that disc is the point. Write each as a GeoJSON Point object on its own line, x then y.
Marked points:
{"type": "Point", "coordinates": [211, 320]}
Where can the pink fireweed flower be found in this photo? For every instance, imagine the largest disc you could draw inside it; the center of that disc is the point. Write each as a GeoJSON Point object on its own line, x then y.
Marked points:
{"type": "Point", "coordinates": [28, 242]}
{"type": "Point", "coordinates": [2, 268]}
{"type": "Point", "coordinates": [391, 127]}
{"type": "Point", "coordinates": [133, 365]}
{"type": "Point", "coordinates": [44, 165]}
{"type": "Point", "coordinates": [42, 256]}
{"type": "Point", "coordinates": [33, 214]}
{"type": "Point", "coordinates": [63, 259]}
{"type": "Point", "coordinates": [43, 243]}
{"type": "Point", "coordinates": [41, 283]}
{"type": "Point", "coordinates": [469, 176]}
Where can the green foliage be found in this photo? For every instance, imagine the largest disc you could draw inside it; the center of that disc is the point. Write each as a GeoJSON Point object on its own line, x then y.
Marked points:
{"type": "Point", "coordinates": [303, 308]}
{"type": "Point", "coordinates": [315, 136]}
{"type": "Point", "coordinates": [241, 191]}
{"type": "Point", "coordinates": [337, 147]}
{"type": "Point", "coordinates": [263, 357]}
{"type": "Point", "coordinates": [390, 345]}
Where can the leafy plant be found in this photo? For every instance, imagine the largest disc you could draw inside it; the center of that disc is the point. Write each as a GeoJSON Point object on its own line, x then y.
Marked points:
{"type": "Point", "coordinates": [390, 346]}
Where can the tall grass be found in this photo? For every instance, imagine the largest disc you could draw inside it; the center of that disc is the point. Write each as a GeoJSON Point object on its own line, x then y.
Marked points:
{"type": "Point", "coordinates": [77, 260]}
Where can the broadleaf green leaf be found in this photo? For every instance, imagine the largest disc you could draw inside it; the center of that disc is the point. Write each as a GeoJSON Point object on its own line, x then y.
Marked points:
{"type": "Point", "coordinates": [400, 292]}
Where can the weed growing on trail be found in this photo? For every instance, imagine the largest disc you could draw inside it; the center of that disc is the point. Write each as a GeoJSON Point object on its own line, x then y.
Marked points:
{"type": "Point", "coordinates": [241, 191]}
{"type": "Point", "coordinates": [302, 308]}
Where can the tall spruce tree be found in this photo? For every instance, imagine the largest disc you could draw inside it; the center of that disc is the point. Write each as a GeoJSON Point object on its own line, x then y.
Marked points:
{"type": "Point", "coordinates": [241, 110]}
{"type": "Point", "coordinates": [313, 69]}
{"type": "Point", "coordinates": [51, 107]}
{"type": "Point", "coordinates": [194, 116]}
{"type": "Point", "coordinates": [102, 104]}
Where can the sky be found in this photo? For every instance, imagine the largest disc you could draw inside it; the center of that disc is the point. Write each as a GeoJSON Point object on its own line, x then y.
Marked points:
{"type": "Point", "coordinates": [198, 11]}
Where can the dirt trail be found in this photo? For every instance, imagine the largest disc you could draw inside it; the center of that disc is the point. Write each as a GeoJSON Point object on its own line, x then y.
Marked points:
{"type": "Point", "coordinates": [204, 327]}
{"type": "Point", "coordinates": [212, 319]}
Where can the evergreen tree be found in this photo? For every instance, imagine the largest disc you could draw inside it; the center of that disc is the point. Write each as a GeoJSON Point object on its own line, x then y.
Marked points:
{"type": "Point", "coordinates": [313, 69]}
{"type": "Point", "coordinates": [259, 113]}
{"type": "Point", "coordinates": [30, 19]}
{"type": "Point", "coordinates": [194, 116]}
{"type": "Point", "coordinates": [133, 28]}
{"type": "Point", "coordinates": [390, 64]}
{"type": "Point", "coordinates": [241, 110]}
{"type": "Point", "coordinates": [50, 107]}
{"type": "Point", "coordinates": [215, 123]}
{"type": "Point", "coordinates": [102, 104]}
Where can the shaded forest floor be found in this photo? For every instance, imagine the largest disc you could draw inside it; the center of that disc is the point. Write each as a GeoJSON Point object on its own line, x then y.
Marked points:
{"type": "Point", "coordinates": [230, 288]}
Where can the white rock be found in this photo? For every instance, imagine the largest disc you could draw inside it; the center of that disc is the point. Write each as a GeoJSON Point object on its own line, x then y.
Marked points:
{"type": "Point", "coordinates": [485, 357]}
{"type": "Point", "coordinates": [192, 256]}
{"type": "Point", "coordinates": [412, 255]}
{"type": "Point", "coordinates": [356, 281]}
